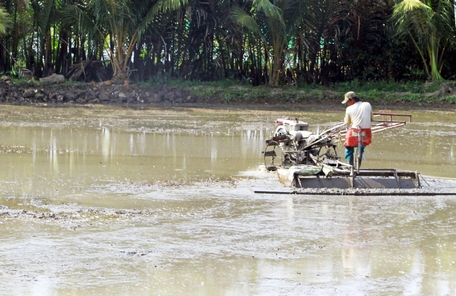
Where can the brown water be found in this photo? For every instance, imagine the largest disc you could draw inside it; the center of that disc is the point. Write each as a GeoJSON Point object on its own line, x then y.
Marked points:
{"type": "Point", "coordinates": [111, 201]}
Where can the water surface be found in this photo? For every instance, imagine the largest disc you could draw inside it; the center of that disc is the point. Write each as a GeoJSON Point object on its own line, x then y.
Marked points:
{"type": "Point", "coordinates": [105, 200]}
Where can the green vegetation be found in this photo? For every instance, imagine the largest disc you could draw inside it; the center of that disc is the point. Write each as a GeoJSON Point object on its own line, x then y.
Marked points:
{"type": "Point", "coordinates": [309, 44]}
{"type": "Point", "coordinates": [451, 99]}
{"type": "Point", "coordinates": [375, 86]}
{"type": "Point", "coordinates": [374, 92]}
{"type": "Point", "coordinates": [428, 24]}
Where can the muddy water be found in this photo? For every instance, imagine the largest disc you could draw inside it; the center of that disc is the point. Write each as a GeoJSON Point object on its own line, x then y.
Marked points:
{"type": "Point", "coordinates": [112, 201]}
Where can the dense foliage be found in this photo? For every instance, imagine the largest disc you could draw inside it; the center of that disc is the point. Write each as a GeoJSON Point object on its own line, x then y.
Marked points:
{"type": "Point", "coordinates": [262, 42]}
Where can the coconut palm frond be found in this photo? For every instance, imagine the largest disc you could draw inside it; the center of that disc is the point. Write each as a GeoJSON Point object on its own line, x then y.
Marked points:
{"type": "Point", "coordinates": [430, 28]}
{"type": "Point", "coordinates": [269, 9]}
{"type": "Point", "coordinates": [160, 6]}
{"type": "Point", "coordinates": [242, 18]}
{"type": "Point", "coordinates": [5, 21]}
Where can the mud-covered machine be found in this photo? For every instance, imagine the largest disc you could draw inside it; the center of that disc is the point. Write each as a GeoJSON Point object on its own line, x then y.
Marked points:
{"type": "Point", "coordinates": [305, 159]}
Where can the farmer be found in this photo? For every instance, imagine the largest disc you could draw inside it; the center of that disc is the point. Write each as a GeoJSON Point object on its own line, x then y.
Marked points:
{"type": "Point", "coordinates": [358, 118]}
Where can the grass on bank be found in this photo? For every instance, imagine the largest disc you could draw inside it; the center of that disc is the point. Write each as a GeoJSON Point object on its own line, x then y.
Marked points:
{"type": "Point", "coordinates": [378, 91]}
{"type": "Point", "coordinates": [235, 91]}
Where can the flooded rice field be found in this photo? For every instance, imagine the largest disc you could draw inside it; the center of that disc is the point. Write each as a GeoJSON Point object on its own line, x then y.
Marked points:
{"type": "Point", "coordinates": [114, 201]}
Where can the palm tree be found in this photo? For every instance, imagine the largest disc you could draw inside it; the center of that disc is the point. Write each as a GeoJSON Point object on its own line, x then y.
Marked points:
{"type": "Point", "coordinates": [316, 42]}
{"type": "Point", "coordinates": [274, 23]}
{"type": "Point", "coordinates": [429, 24]}
{"type": "Point", "coordinates": [121, 23]}
{"type": "Point", "coordinates": [12, 17]}
{"type": "Point", "coordinates": [44, 12]}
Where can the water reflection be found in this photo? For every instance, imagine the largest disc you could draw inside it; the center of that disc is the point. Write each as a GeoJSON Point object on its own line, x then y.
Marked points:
{"type": "Point", "coordinates": [106, 144]}
{"type": "Point", "coordinates": [355, 252]}
{"type": "Point", "coordinates": [109, 153]}
{"type": "Point", "coordinates": [451, 154]}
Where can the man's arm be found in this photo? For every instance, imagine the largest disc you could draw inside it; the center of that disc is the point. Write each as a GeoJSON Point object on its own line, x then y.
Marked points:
{"type": "Point", "coordinates": [347, 118]}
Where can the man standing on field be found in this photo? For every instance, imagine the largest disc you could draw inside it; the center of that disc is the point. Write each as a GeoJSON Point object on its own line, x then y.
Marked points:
{"type": "Point", "coordinates": [358, 118]}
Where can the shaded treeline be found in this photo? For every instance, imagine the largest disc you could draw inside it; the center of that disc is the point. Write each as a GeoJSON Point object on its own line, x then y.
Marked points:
{"type": "Point", "coordinates": [255, 41]}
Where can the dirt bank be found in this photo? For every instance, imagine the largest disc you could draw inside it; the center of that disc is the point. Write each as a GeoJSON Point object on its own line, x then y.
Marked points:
{"type": "Point", "coordinates": [136, 96]}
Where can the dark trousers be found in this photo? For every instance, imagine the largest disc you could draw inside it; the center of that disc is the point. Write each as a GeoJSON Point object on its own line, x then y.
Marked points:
{"type": "Point", "coordinates": [349, 154]}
